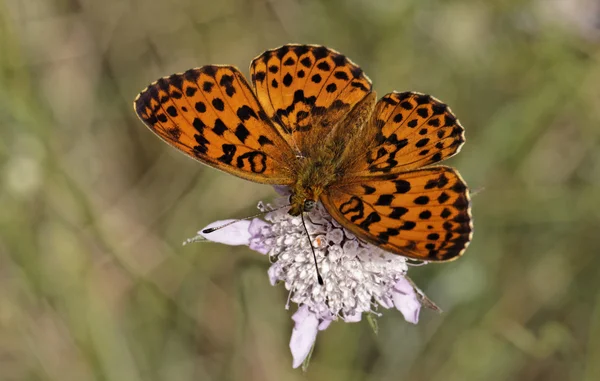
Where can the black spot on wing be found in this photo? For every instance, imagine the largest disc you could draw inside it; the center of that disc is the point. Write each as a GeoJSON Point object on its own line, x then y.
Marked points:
{"type": "Point", "coordinates": [300, 50]}
{"type": "Point", "coordinates": [425, 215]}
{"type": "Point", "coordinates": [241, 132]}
{"type": "Point", "coordinates": [385, 199]}
{"type": "Point", "coordinates": [320, 52]}
{"type": "Point", "coordinates": [421, 200]}
{"type": "Point", "coordinates": [210, 70]}
{"type": "Point", "coordinates": [443, 197]}
{"type": "Point", "coordinates": [228, 153]}
{"type": "Point", "coordinates": [200, 107]}
{"type": "Point", "coordinates": [207, 86]}
{"type": "Point", "coordinates": [245, 112]}
{"type": "Point", "coordinates": [372, 218]}
{"type": "Point", "coordinates": [281, 52]}
{"type": "Point", "coordinates": [219, 128]}
{"type": "Point", "coordinates": [171, 110]}
{"type": "Point", "coordinates": [260, 76]}
{"type": "Point", "coordinates": [198, 125]}
{"type": "Point", "coordinates": [359, 85]}
{"type": "Point", "coordinates": [353, 205]}
{"type": "Point", "coordinates": [218, 104]}
{"type": "Point", "coordinates": [255, 159]}
{"type": "Point", "coordinates": [323, 66]}
{"type": "Point", "coordinates": [190, 91]}
{"type": "Point", "coordinates": [397, 212]}
{"type": "Point", "coordinates": [368, 189]}
{"type": "Point", "coordinates": [192, 75]}
{"type": "Point", "coordinates": [263, 140]}
{"type": "Point", "coordinates": [341, 75]}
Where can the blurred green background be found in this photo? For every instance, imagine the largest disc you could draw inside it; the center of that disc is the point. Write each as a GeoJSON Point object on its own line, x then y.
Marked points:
{"type": "Point", "coordinates": [94, 282]}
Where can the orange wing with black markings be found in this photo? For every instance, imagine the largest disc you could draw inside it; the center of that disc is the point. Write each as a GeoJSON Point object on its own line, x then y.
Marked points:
{"type": "Point", "coordinates": [409, 130]}
{"type": "Point", "coordinates": [212, 115]}
{"type": "Point", "coordinates": [307, 90]}
{"type": "Point", "coordinates": [421, 214]}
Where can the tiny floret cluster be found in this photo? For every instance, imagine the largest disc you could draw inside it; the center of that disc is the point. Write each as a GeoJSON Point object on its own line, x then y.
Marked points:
{"type": "Point", "coordinates": [358, 278]}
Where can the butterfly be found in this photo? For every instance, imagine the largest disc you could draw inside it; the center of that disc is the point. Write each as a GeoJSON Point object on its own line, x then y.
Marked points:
{"type": "Point", "coordinates": [311, 121]}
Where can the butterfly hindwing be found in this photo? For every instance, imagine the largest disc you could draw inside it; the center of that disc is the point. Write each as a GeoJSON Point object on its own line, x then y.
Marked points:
{"type": "Point", "coordinates": [407, 131]}
{"type": "Point", "coordinates": [423, 214]}
{"type": "Point", "coordinates": [307, 90]}
{"type": "Point", "coordinates": [211, 114]}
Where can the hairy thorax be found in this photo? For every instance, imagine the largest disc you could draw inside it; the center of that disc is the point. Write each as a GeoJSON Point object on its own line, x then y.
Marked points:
{"type": "Point", "coordinates": [315, 174]}
{"type": "Point", "coordinates": [328, 159]}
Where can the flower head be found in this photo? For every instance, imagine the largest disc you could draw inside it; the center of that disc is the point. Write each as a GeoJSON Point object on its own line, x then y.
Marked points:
{"type": "Point", "coordinates": [358, 277]}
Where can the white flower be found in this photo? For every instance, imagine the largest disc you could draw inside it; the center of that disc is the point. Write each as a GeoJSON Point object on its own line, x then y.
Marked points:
{"type": "Point", "coordinates": [358, 277]}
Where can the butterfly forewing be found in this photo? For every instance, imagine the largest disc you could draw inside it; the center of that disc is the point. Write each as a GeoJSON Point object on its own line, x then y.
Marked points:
{"type": "Point", "coordinates": [307, 90]}
{"type": "Point", "coordinates": [211, 114]}
{"type": "Point", "coordinates": [422, 214]}
{"type": "Point", "coordinates": [408, 131]}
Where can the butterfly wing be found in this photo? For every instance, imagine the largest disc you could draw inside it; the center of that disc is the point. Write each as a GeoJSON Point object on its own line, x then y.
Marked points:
{"type": "Point", "coordinates": [386, 200]}
{"type": "Point", "coordinates": [422, 214]}
{"type": "Point", "coordinates": [307, 90]}
{"type": "Point", "coordinates": [211, 114]}
{"type": "Point", "coordinates": [406, 131]}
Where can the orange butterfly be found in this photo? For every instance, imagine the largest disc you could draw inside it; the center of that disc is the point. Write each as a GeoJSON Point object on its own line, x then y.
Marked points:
{"type": "Point", "coordinates": [311, 122]}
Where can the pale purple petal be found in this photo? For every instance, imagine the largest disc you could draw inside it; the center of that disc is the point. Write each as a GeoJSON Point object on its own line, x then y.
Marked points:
{"type": "Point", "coordinates": [258, 245]}
{"type": "Point", "coordinates": [257, 230]}
{"type": "Point", "coordinates": [404, 286]}
{"type": "Point", "coordinates": [301, 314]}
{"type": "Point", "coordinates": [283, 190]}
{"type": "Point", "coordinates": [385, 301]}
{"type": "Point", "coordinates": [273, 274]}
{"type": "Point", "coordinates": [256, 226]}
{"type": "Point", "coordinates": [324, 324]}
{"type": "Point", "coordinates": [304, 334]}
{"type": "Point", "coordinates": [406, 301]}
{"type": "Point", "coordinates": [234, 234]}
{"type": "Point", "coordinates": [355, 318]}
{"type": "Point", "coordinates": [325, 320]}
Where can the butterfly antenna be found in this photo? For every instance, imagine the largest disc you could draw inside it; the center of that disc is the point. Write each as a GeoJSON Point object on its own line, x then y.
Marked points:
{"type": "Point", "coordinates": [210, 230]}
{"type": "Point", "coordinates": [319, 279]}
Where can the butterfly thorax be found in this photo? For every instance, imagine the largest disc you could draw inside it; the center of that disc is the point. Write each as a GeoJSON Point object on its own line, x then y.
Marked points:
{"type": "Point", "coordinates": [327, 158]}
{"type": "Point", "coordinates": [315, 174]}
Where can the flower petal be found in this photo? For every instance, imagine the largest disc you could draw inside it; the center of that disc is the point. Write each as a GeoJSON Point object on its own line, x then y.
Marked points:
{"type": "Point", "coordinates": [304, 334]}
{"type": "Point", "coordinates": [273, 274]}
{"type": "Point", "coordinates": [258, 245]}
{"type": "Point", "coordinates": [355, 318]}
{"type": "Point", "coordinates": [256, 226]}
{"type": "Point", "coordinates": [283, 190]}
{"type": "Point", "coordinates": [234, 234]}
{"type": "Point", "coordinates": [385, 301]}
{"type": "Point", "coordinates": [403, 286]}
{"type": "Point", "coordinates": [324, 324]}
{"type": "Point", "coordinates": [257, 230]}
{"type": "Point", "coordinates": [406, 301]}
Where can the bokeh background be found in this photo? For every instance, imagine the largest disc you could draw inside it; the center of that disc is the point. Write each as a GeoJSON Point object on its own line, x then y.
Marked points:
{"type": "Point", "coordinates": [94, 281]}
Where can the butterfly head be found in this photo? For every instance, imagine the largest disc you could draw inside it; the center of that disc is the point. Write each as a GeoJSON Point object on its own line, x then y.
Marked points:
{"type": "Point", "coordinates": [303, 206]}
{"type": "Point", "coordinates": [303, 201]}
{"type": "Point", "coordinates": [309, 205]}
